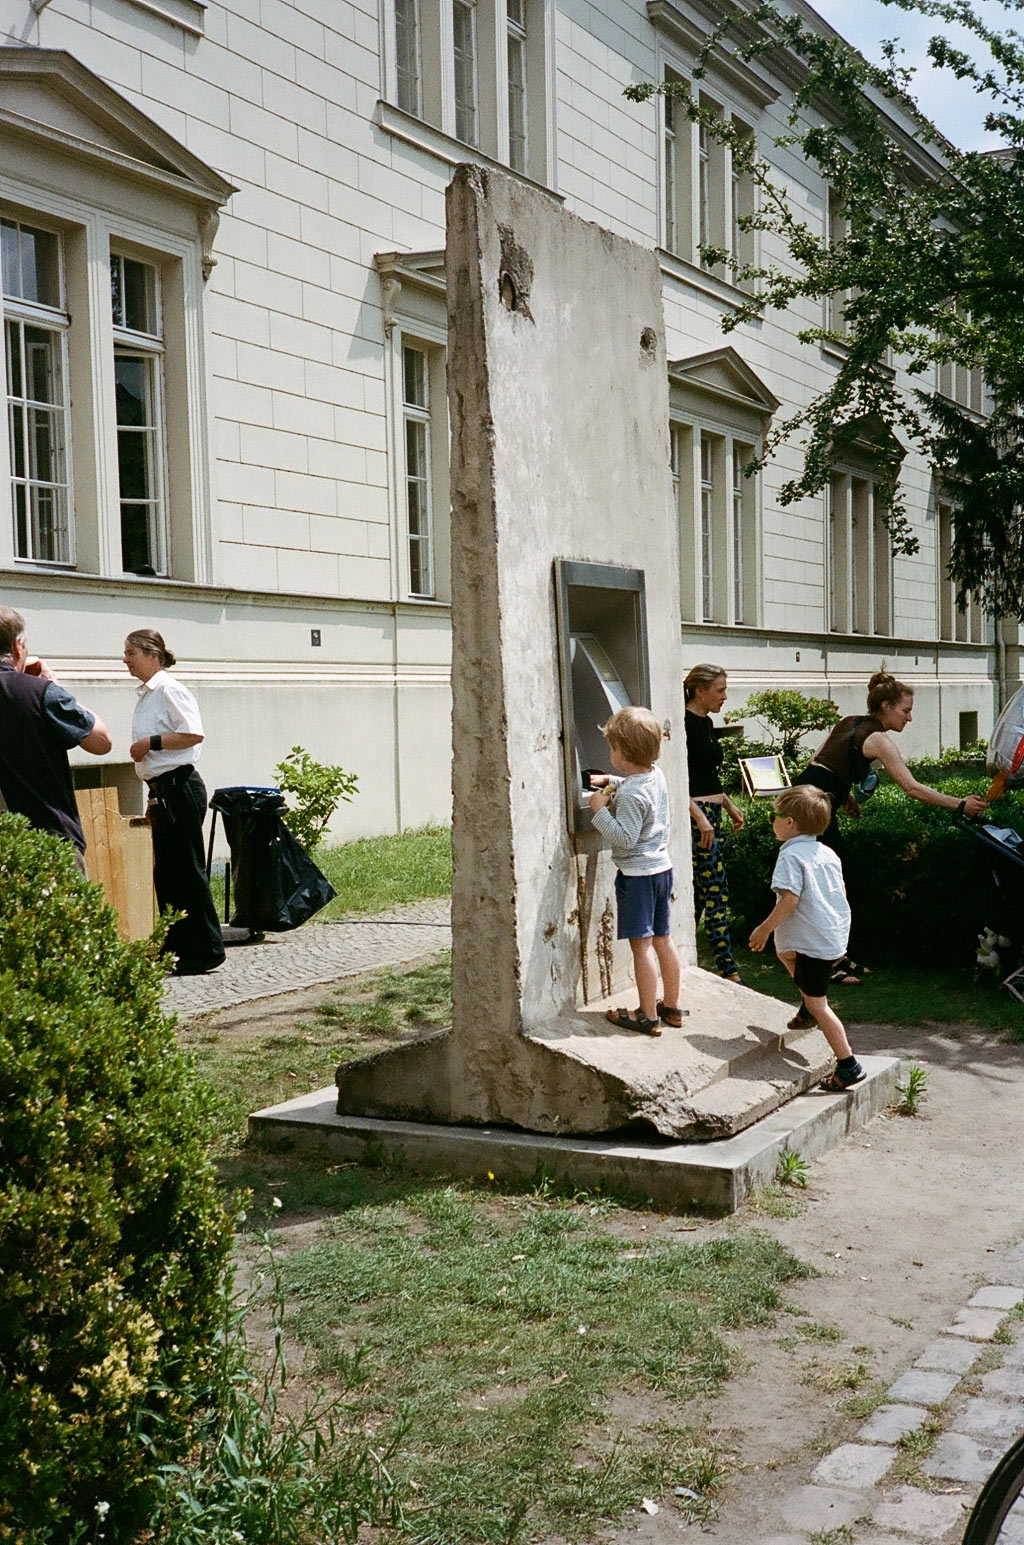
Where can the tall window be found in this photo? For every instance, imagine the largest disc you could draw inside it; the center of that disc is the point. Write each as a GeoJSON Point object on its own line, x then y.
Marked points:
{"type": "Point", "coordinates": [708, 499]}
{"type": "Point", "coordinates": [416, 428]}
{"type": "Point", "coordinates": [859, 557]}
{"type": "Point", "coordinates": [517, 104]}
{"type": "Point", "coordinates": [957, 624]}
{"type": "Point", "coordinates": [464, 57]}
{"type": "Point", "coordinates": [476, 71]}
{"type": "Point", "coordinates": [408, 66]}
{"type": "Point", "coordinates": [706, 192]}
{"type": "Point", "coordinates": [717, 508]}
{"type": "Point", "coordinates": [35, 343]}
{"type": "Point", "coordinates": [837, 229]}
{"type": "Point", "coordinates": [138, 350]}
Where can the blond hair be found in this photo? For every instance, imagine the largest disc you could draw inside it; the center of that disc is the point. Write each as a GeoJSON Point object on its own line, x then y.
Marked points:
{"type": "Point", "coordinates": [700, 676]}
{"type": "Point", "coordinates": [809, 809]}
{"type": "Point", "coordinates": [636, 733]}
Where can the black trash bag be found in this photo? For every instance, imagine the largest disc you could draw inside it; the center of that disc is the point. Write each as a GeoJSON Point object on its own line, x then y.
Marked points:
{"type": "Point", "coordinates": [276, 884]}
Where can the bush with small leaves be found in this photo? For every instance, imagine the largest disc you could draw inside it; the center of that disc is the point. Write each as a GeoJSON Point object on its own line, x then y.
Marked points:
{"type": "Point", "coordinates": [114, 1240]}
{"type": "Point", "coordinates": [318, 789]}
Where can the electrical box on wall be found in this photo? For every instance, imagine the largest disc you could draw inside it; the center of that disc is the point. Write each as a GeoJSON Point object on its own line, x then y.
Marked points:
{"type": "Point", "coordinates": [603, 666]}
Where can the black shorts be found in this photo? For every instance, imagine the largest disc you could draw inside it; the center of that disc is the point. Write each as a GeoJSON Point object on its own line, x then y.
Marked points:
{"type": "Point", "coordinates": [812, 975]}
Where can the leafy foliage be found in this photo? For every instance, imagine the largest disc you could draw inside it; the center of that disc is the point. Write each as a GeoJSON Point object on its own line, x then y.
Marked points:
{"type": "Point", "coordinates": [931, 271]}
{"type": "Point", "coordinates": [318, 789]}
{"type": "Point", "coordinates": [264, 1475]}
{"type": "Point", "coordinates": [918, 883]}
{"type": "Point", "coordinates": [787, 716]}
{"type": "Point", "coordinates": [114, 1240]}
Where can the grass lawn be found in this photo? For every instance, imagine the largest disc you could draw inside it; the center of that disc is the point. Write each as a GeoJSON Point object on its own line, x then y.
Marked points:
{"type": "Point", "coordinates": [531, 1364]}
{"type": "Point", "coordinates": [376, 873]}
{"type": "Point", "coordinates": [527, 1362]}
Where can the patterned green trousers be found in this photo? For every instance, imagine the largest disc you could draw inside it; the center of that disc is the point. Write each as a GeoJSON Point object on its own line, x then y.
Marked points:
{"type": "Point", "coordinates": [711, 890]}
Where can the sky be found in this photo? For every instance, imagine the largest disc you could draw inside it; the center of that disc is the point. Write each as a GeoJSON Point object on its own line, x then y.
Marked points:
{"type": "Point", "coordinates": [954, 106]}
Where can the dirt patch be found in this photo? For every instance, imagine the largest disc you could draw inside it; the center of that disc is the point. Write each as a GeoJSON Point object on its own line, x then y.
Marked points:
{"type": "Point", "coordinates": [903, 1221]}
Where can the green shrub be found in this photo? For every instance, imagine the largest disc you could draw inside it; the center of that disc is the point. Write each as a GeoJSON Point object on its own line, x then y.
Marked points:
{"type": "Point", "coordinates": [114, 1242]}
{"type": "Point", "coordinates": [917, 882]}
{"type": "Point", "coordinates": [318, 789]}
{"type": "Point", "coordinates": [787, 716]}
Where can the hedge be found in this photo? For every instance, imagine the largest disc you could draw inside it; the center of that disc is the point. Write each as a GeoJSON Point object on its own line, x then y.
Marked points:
{"type": "Point", "coordinates": [113, 1239]}
{"type": "Point", "coordinates": [918, 883]}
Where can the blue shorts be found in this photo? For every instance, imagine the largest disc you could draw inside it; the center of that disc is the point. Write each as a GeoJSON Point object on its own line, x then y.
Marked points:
{"type": "Point", "coordinates": [644, 904]}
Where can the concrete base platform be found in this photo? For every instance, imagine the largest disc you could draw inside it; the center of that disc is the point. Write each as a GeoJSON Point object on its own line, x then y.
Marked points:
{"type": "Point", "coordinates": [673, 1176]}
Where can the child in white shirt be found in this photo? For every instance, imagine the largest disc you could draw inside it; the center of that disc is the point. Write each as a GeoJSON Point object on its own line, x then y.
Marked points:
{"type": "Point", "coordinates": [811, 918]}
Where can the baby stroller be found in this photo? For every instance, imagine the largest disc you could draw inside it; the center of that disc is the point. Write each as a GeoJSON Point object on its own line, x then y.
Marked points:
{"type": "Point", "coordinates": [1002, 851]}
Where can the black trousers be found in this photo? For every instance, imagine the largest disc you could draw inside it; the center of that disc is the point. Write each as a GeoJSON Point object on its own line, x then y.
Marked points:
{"type": "Point", "coordinates": [177, 809]}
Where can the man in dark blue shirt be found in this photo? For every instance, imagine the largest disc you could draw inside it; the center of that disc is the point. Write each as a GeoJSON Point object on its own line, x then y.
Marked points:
{"type": "Point", "coordinates": [39, 723]}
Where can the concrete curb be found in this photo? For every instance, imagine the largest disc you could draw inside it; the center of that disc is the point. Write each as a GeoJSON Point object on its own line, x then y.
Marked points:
{"type": "Point", "coordinates": [672, 1176]}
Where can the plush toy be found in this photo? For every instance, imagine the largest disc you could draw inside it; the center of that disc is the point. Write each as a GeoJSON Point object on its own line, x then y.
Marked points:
{"type": "Point", "coordinates": [990, 943]}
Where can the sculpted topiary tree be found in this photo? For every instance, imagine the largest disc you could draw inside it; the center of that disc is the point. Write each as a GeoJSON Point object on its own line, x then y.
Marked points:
{"type": "Point", "coordinates": [113, 1241]}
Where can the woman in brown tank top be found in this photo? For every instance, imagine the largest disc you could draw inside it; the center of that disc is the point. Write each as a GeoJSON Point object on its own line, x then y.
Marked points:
{"type": "Point", "coordinates": [845, 757]}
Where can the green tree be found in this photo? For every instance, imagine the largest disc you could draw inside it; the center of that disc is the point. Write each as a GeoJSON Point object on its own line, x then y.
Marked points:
{"type": "Point", "coordinates": [787, 716]}
{"type": "Point", "coordinates": [931, 269]}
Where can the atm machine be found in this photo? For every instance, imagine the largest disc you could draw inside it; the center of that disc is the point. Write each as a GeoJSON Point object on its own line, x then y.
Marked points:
{"type": "Point", "coordinates": [602, 635]}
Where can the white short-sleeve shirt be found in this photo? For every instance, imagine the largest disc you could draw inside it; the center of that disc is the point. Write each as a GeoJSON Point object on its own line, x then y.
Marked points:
{"type": "Point", "coordinates": [164, 707]}
{"type": "Point", "coordinates": [820, 926]}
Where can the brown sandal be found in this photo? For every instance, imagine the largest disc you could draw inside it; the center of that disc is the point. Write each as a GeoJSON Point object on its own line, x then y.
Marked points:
{"type": "Point", "coordinates": [638, 1021]}
{"type": "Point", "coordinates": [671, 1017]}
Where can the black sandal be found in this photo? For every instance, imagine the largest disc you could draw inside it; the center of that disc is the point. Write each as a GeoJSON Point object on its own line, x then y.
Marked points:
{"type": "Point", "coordinates": [839, 1083]}
{"type": "Point", "coordinates": [638, 1021]}
{"type": "Point", "coordinates": [671, 1017]}
{"type": "Point", "coordinates": [803, 1019]}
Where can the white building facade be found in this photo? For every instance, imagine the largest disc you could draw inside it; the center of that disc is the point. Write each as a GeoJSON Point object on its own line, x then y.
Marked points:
{"type": "Point", "coordinates": [224, 314]}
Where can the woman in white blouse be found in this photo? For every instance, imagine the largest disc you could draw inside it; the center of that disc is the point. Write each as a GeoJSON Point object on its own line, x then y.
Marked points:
{"type": "Point", "coordinates": [167, 732]}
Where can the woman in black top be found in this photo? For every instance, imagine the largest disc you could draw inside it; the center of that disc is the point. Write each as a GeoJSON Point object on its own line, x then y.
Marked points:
{"type": "Point", "coordinates": [704, 693]}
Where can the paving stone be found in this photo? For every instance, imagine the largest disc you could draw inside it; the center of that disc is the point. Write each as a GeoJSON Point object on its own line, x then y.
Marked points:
{"type": "Point", "coordinates": [949, 1354]}
{"type": "Point", "coordinates": [976, 1324]}
{"type": "Point", "coordinates": [888, 1423]}
{"type": "Point", "coordinates": [312, 955]}
{"type": "Point", "coordinates": [957, 1457]}
{"type": "Point", "coordinates": [921, 1387]}
{"type": "Point", "coordinates": [854, 1464]}
{"type": "Point", "coordinates": [923, 1514]}
{"type": "Point", "coordinates": [996, 1298]}
{"type": "Point", "coordinates": [816, 1509]}
{"type": "Point", "coordinates": [1013, 1357]}
{"type": "Point", "coordinates": [991, 1419]}
{"type": "Point", "coordinates": [1005, 1381]}
{"type": "Point", "coordinates": [1012, 1532]}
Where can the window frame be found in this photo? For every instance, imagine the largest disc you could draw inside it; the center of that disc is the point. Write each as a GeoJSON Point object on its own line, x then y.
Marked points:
{"type": "Point", "coordinates": [20, 313]}
{"type": "Point", "coordinates": [719, 413]}
{"type": "Point", "coordinates": [435, 125]}
{"type": "Point", "coordinates": [131, 186]}
{"type": "Point", "coordinates": [413, 300]}
{"type": "Point", "coordinates": [134, 343]}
